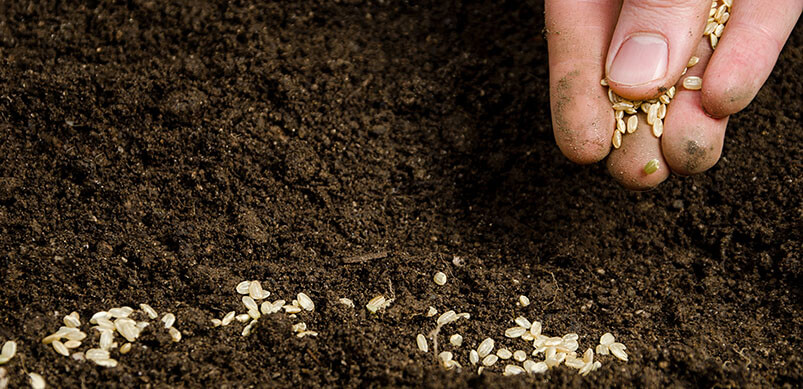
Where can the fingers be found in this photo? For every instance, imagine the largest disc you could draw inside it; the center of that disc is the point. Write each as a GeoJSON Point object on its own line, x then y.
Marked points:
{"type": "Point", "coordinates": [746, 53]}
{"type": "Point", "coordinates": [578, 33]}
{"type": "Point", "coordinates": [692, 140]}
{"type": "Point", "coordinates": [652, 43]}
{"type": "Point", "coordinates": [626, 164]}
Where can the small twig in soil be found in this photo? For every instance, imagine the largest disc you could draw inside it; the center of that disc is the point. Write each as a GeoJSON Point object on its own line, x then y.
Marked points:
{"type": "Point", "coordinates": [365, 257]}
{"type": "Point", "coordinates": [314, 357]}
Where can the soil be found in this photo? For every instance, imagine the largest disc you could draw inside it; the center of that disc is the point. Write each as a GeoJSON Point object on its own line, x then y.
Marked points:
{"type": "Point", "coordinates": [163, 153]}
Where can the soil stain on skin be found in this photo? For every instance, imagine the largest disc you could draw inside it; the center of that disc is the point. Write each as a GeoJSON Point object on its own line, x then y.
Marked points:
{"type": "Point", "coordinates": [161, 153]}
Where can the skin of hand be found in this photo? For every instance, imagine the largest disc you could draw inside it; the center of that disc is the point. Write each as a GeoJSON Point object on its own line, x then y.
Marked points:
{"type": "Point", "coordinates": [641, 47]}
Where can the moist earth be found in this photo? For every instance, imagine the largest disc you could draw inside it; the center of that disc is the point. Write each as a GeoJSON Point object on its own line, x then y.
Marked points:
{"type": "Point", "coordinates": [161, 153]}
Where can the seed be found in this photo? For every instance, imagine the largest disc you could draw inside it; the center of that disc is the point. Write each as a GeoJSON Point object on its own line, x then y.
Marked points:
{"type": "Point", "coordinates": [513, 370]}
{"type": "Point", "coordinates": [149, 311]}
{"type": "Point", "coordinates": [612, 96]}
{"type": "Point", "coordinates": [105, 323]}
{"type": "Point", "coordinates": [709, 28]}
{"type": "Point", "coordinates": [125, 348]}
{"type": "Point", "coordinates": [621, 126]}
{"type": "Point", "coordinates": [255, 290]}
{"type": "Point", "coordinates": [227, 319]}
{"type": "Point", "coordinates": [95, 353]}
{"type": "Point", "coordinates": [632, 124]}
{"type": "Point", "coordinates": [662, 112]}
{"type": "Point", "coordinates": [8, 351]}
{"type": "Point", "coordinates": [174, 333]}
{"type": "Point", "coordinates": [446, 318]}
{"type": "Point", "coordinates": [515, 332]}
{"type": "Point", "coordinates": [619, 114]}
{"type": "Point", "coordinates": [431, 311]}
{"type": "Point", "coordinates": [106, 339]}
{"type": "Point", "coordinates": [631, 111]}
{"type": "Point", "coordinates": [652, 114]}
{"type": "Point", "coordinates": [693, 61]}
{"type": "Point", "coordinates": [243, 317]}
{"type": "Point", "coordinates": [664, 99]}
{"type": "Point", "coordinates": [603, 82]}
{"type": "Point", "coordinates": [98, 315]}
{"type": "Point", "coordinates": [254, 314]}
{"type": "Point", "coordinates": [651, 167]}
{"type": "Point", "coordinates": [553, 341]}
{"type": "Point", "coordinates": [168, 319]}
{"type": "Point", "coordinates": [671, 92]}
{"type": "Point", "coordinates": [622, 105]}
{"type": "Point", "coordinates": [464, 315]}
{"type": "Point", "coordinates": [617, 139]}
{"type": "Point", "coordinates": [473, 357]}
{"type": "Point", "coordinates": [524, 300]}
{"type": "Point", "coordinates": [535, 330]}
{"type": "Point", "coordinates": [299, 327]}
{"type": "Point", "coordinates": [523, 322]}
{"type": "Point", "coordinates": [489, 360]}
{"type": "Point", "coordinates": [291, 309]}
{"type": "Point", "coordinates": [533, 367]}
{"type": "Point", "coordinates": [121, 312]}
{"type": "Point", "coordinates": [216, 322]}
{"type": "Point", "coordinates": [718, 30]}
{"type": "Point", "coordinates": [108, 362]}
{"type": "Point", "coordinates": [346, 302]}
{"type": "Point", "coordinates": [59, 347]}
{"type": "Point", "coordinates": [440, 278]}
{"type": "Point", "coordinates": [714, 39]}
{"type": "Point", "coordinates": [658, 128]}
{"type": "Point", "coordinates": [456, 340]}
{"type": "Point", "coordinates": [618, 350]}
{"type": "Point", "coordinates": [729, 3]}
{"type": "Point", "coordinates": [306, 333]}
{"type": "Point", "coordinates": [504, 353]}
{"type": "Point", "coordinates": [37, 382]}
{"type": "Point", "coordinates": [247, 330]}
{"type": "Point", "coordinates": [724, 19]}
{"type": "Point", "coordinates": [485, 347]}
{"type": "Point", "coordinates": [127, 328]}
{"type": "Point", "coordinates": [519, 355]}
{"type": "Point", "coordinates": [421, 341]}
{"type": "Point", "coordinates": [249, 303]}
{"type": "Point", "coordinates": [305, 302]}
{"type": "Point", "coordinates": [527, 336]}
{"type": "Point", "coordinates": [71, 321]}
{"type": "Point", "coordinates": [376, 303]}
{"type": "Point", "coordinates": [243, 287]}
{"type": "Point", "coordinates": [72, 344]}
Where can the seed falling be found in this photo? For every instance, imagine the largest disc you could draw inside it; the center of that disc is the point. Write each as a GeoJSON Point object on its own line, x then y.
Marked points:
{"type": "Point", "coordinates": [524, 300]}
{"type": "Point", "coordinates": [440, 278]}
{"type": "Point", "coordinates": [456, 340]}
{"type": "Point", "coordinates": [693, 83]}
{"type": "Point", "coordinates": [651, 166]}
{"type": "Point", "coordinates": [421, 341]}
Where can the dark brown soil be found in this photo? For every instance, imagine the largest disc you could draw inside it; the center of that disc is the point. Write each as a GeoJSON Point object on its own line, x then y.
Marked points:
{"type": "Point", "coordinates": [163, 153]}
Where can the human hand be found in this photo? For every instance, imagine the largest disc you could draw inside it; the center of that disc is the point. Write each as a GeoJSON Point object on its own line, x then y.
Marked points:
{"type": "Point", "coordinates": [641, 47]}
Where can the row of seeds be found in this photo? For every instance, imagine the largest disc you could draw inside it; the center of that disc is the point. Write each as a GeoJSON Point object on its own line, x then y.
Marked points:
{"type": "Point", "coordinates": [115, 321]}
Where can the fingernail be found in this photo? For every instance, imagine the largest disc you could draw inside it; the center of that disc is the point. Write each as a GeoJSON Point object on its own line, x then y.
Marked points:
{"type": "Point", "coordinates": [641, 58]}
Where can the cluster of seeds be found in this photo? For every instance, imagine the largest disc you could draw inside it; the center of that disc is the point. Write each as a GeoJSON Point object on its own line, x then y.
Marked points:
{"type": "Point", "coordinates": [107, 323]}
{"type": "Point", "coordinates": [555, 349]}
{"type": "Point", "coordinates": [655, 109]}
{"type": "Point", "coordinates": [253, 291]}
{"type": "Point", "coordinates": [717, 17]}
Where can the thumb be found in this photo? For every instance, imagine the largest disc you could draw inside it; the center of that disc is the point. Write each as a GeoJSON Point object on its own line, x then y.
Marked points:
{"type": "Point", "coordinates": [652, 44]}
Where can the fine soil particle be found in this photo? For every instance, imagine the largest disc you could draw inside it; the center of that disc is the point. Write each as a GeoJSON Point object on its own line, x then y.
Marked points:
{"type": "Point", "coordinates": [161, 153]}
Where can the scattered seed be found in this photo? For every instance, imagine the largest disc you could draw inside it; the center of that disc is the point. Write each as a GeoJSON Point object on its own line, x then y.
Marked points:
{"type": "Point", "coordinates": [504, 353]}
{"type": "Point", "coordinates": [60, 348]}
{"type": "Point", "coordinates": [489, 360]}
{"type": "Point", "coordinates": [75, 335]}
{"type": "Point", "coordinates": [651, 166]}
{"type": "Point", "coordinates": [125, 348]}
{"type": "Point", "coordinates": [421, 341]}
{"type": "Point", "coordinates": [72, 321]}
{"type": "Point", "coordinates": [174, 333]}
{"type": "Point", "coordinates": [255, 290]}
{"type": "Point", "coordinates": [515, 332]}
{"type": "Point", "coordinates": [216, 322]}
{"type": "Point", "coordinates": [535, 329]}
{"type": "Point", "coordinates": [243, 317]}
{"type": "Point", "coordinates": [227, 319]}
{"type": "Point", "coordinates": [513, 370]}
{"type": "Point", "coordinates": [98, 315]}
{"type": "Point", "coordinates": [485, 347]}
{"type": "Point", "coordinates": [108, 362]}
{"type": "Point", "coordinates": [473, 357]}
{"type": "Point", "coordinates": [693, 61]}
{"type": "Point", "coordinates": [121, 312]}
{"type": "Point", "coordinates": [346, 302]}
{"type": "Point", "coordinates": [523, 322]}
{"type": "Point", "coordinates": [440, 278]}
{"type": "Point", "coordinates": [376, 303]}
{"type": "Point", "coordinates": [445, 356]}
{"type": "Point", "coordinates": [446, 318]}
{"type": "Point", "coordinates": [95, 354]}
{"type": "Point", "coordinates": [243, 287]}
{"type": "Point", "coordinates": [37, 382]}
{"type": "Point", "coordinates": [72, 344]}
{"type": "Point", "coordinates": [524, 300]}
{"type": "Point", "coordinates": [533, 367]}
{"type": "Point", "coordinates": [456, 340]}
{"type": "Point", "coordinates": [618, 350]}
{"type": "Point", "coordinates": [431, 311]}
{"type": "Point", "coordinates": [291, 309]}
{"type": "Point", "coordinates": [8, 351]}
{"type": "Point", "coordinates": [106, 339]}
{"type": "Point", "coordinates": [652, 113]}
{"type": "Point", "coordinates": [305, 302]}
{"type": "Point", "coordinates": [249, 303]}
{"type": "Point", "coordinates": [149, 311]}
{"type": "Point", "coordinates": [520, 355]}
{"type": "Point", "coordinates": [168, 319]}
{"type": "Point", "coordinates": [254, 314]}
